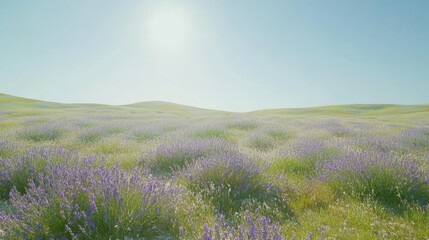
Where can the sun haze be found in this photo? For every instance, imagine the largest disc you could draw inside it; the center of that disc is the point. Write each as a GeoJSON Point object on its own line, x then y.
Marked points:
{"type": "Point", "coordinates": [230, 55]}
{"type": "Point", "coordinates": [168, 27]}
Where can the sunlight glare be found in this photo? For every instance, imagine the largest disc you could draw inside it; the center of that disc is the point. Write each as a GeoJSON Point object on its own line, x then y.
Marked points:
{"type": "Point", "coordinates": [169, 28]}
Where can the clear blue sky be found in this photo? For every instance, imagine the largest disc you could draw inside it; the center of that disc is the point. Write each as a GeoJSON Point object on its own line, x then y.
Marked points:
{"type": "Point", "coordinates": [233, 55]}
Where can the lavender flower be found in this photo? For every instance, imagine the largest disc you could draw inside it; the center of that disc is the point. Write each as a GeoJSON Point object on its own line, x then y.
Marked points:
{"type": "Point", "coordinates": [226, 180]}
{"type": "Point", "coordinates": [252, 228]}
{"type": "Point", "coordinates": [83, 200]}
{"type": "Point", "coordinates": [387, 177]}
{"type": "Point", "coordinates": [173, 155]}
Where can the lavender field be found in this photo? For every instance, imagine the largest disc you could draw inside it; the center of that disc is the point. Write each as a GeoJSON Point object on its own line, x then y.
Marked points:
{"type": "Point", "coordinates": [158, 170]}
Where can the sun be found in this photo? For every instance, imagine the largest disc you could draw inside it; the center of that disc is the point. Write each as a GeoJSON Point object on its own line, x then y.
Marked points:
{"type": "Point", "coordinates": [169, 27]}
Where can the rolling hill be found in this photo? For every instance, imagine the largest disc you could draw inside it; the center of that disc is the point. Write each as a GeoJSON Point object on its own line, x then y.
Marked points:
{"type": "Point", "coordinates": [9, 102]}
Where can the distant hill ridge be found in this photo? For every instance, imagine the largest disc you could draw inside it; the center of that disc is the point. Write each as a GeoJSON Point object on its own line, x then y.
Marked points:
{"type": "Point", "coordinates": [11, 101]}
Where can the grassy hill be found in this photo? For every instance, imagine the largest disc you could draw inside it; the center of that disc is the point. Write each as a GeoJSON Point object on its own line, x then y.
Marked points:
{"type": "Point", "coordinates": [355, 109]}
{"type": "Point", "coordinates": [14, 102]}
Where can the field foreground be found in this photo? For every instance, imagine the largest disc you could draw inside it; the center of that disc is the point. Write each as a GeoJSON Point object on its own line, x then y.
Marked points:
{"type": "Point", "coordinates": [158, 170]}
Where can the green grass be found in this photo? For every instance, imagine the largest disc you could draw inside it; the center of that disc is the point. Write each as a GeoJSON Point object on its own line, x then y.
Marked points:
{"type": "Point", "coordinates": [259, 143]}
{"type": "Point", "coordinates": [91, 137]}
{"type": "Point", "coordinates": [211, 133]}
{"type": "Point", "coordinates": [40, 135]}
{"type": "Point", "coordinates": [144, 136]}
{"type": "Point", "coordinates": [293, 167]}
{"type": "Point", "coordinates": [280, 135]}
{"type": "Point", "coordinates": [243, 126]}
{"type": "Point", "coordinates": [301, 202]}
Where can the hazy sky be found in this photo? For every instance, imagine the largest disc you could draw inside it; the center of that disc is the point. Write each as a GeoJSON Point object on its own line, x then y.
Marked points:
{"type": "Point", "coordinates": [231, 55]}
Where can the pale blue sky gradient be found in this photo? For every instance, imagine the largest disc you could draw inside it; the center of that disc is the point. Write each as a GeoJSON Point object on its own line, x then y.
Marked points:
{"type": "Point", "coordinates": [238, 55]}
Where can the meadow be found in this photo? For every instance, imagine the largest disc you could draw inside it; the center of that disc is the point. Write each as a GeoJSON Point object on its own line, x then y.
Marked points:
{"type": "Point", "coordinates": [158, 170]}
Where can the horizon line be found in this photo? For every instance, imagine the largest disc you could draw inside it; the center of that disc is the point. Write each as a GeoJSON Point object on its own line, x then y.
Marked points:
{"type": "Point", "coordinates": [212, 109]}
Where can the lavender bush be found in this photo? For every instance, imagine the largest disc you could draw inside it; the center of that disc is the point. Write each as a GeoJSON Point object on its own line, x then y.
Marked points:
{"type": "Point", "coordinates": [227, 180]}
{"type": "Point", "coordinates": [7, 149]}
{"type": "Point", "coordinates": [19, 170]}
{"type": "Point", "coordinates": [42, 133]}
{"type": "Point", "coordinates": [386, 177]}
{"type": "Point", "coordinates": [261, 142]}
{"type": "Point", "coordinates": [301, 158]}
{"type": "Point", "coordinates": [252, 228]}
{"type": "Point", "coordinates": [173, 155]}
{"type": "Point", "coordinates": [417, 138]}
{"type": "Point", "coordinates": [84, 201]}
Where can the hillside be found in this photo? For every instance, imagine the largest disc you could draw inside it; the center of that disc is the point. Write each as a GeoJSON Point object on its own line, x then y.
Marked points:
{"type": "Point", "coordinates": [9, 102]}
